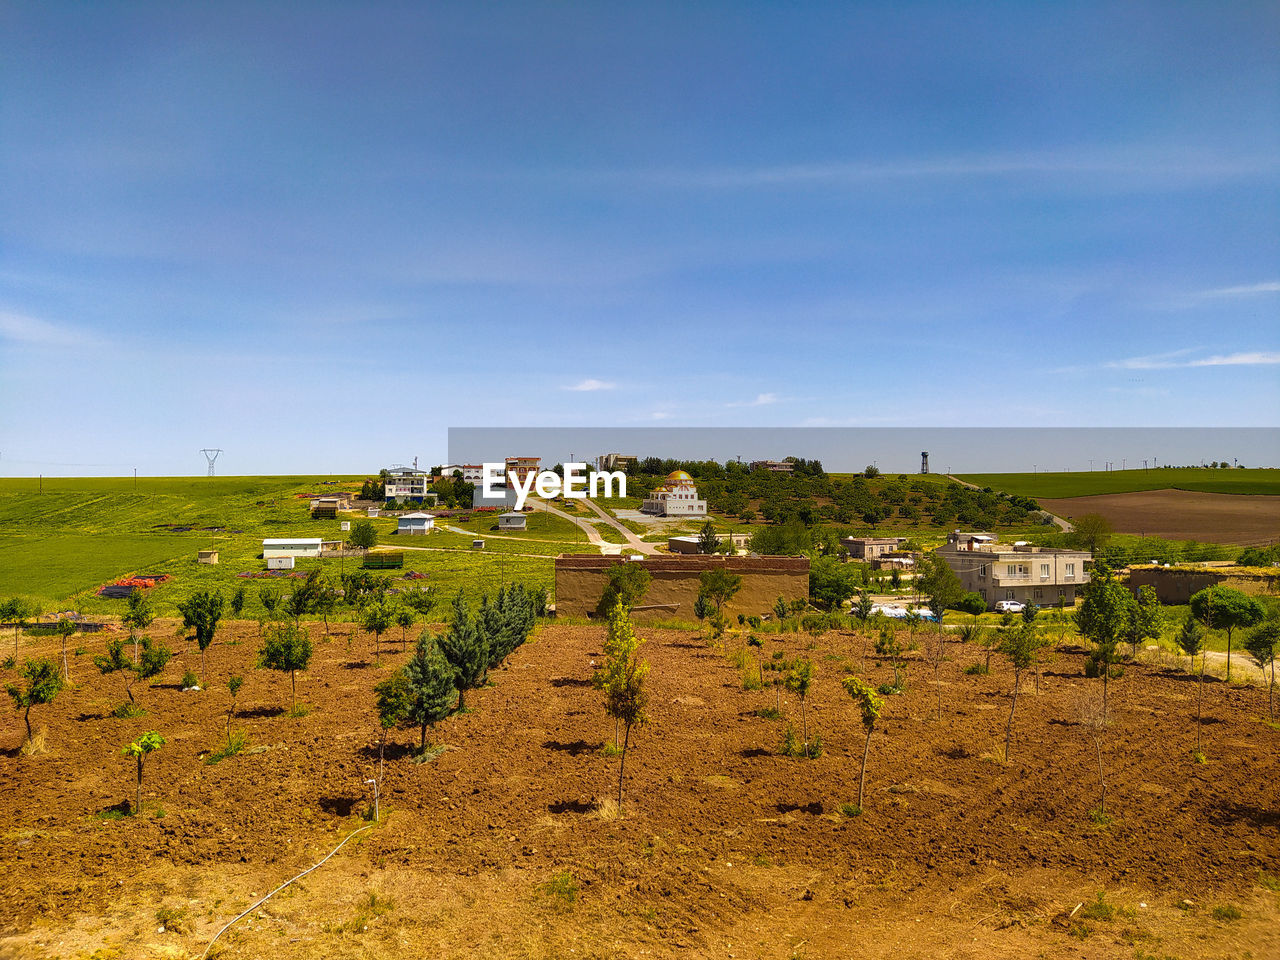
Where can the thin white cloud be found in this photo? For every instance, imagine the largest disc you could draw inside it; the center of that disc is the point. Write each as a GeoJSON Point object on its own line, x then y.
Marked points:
{"type": "Point", "coordinates": [20, 328]}
{"type": "Point", "coordinates": [1177, 359]}
{"type": "Point", "coordinates": [761, 400]}
{"type": "Point", "coordinates": [1247, 290]}
{"type": "Point", "coordinates": [590, 385]}
{"type": "Point", "coordinates": [1147, 163]}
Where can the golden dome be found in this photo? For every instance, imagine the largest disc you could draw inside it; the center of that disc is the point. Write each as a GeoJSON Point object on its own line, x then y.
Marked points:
{"type": "Point", "coordinates": [679, 476]}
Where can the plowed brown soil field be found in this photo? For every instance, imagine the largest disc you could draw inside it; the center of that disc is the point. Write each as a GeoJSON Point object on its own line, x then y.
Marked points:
{"type": "Point", "coordinates": [1181, 515]}
{"type": "Point", "coordinates": [499, 846]}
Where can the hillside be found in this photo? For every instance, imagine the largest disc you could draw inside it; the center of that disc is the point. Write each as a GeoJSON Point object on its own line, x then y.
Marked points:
{"type": "Point", "coordinates": [1094, 483]}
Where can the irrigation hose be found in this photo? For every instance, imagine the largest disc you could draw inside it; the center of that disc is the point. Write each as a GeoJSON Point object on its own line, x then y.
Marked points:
{"type": "Point", "coordinates": [259, 903]}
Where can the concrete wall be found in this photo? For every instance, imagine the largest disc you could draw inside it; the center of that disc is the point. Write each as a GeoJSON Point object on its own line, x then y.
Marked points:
{"type": "Point", "coordinates": [1178, 586]}
{"type": "Point", "coordinates": [673, 587]}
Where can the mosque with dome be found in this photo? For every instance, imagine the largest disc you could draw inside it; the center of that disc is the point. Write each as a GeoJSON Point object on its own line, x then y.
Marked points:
{"type": "Point", "coordinates": [676, 497]}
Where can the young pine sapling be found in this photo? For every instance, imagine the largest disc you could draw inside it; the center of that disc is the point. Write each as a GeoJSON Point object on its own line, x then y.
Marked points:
{"type": "Point", "coordinates": [1191, 641]}
{"type": "Point", "coordinates": [431, 681]}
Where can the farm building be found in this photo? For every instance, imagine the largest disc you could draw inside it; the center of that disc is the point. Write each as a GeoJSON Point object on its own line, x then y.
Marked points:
{"type": "Point", "coordinates": [416, 523]}
{"type": "Point", "coordinates": [291, 547]}
{"type": "Point", "coordinates": [515, 520]}
{"type": "Point", "coordinates": [206, 556]}
{"type": "Point", "coordinates": [280, 563]}
{"type": "Point", "coordinates": [673, 589]}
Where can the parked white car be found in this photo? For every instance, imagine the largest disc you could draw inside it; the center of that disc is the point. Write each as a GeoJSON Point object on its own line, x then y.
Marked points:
{"type": "Point", "coordinates": [1010, 606]}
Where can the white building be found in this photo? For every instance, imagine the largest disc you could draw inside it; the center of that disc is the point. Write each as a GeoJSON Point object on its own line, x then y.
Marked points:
{"type": "Point", "coordinates": [677, 497]}
{"type": "Point", "coordinates": [405, 483]}
{"type": "Point", "coordinates": [515, 520]}
{"type": "Point", "coordinates": [471, 472]}
{"type": "Point", "coordinates": [416, 523]}
{"type": "Point", "coordinates": [291, 547]}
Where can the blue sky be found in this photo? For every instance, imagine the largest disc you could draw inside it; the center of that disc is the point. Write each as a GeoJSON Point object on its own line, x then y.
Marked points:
{"type": "Point", "coordinates": [319, 235]}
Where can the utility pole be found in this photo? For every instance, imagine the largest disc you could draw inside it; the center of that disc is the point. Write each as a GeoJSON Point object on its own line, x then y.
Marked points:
{"type": "Point", "coordinates": [210, 454]}
{"type": "Point", "coordinates": [1091, 466]}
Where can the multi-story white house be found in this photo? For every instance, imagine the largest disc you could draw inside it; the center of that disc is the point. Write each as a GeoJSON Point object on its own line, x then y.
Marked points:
{"type": "Point", "coordinates": [406, 483]}
{"type": "Point", "coordinates": [677, 497]}
{"type": "Point", "coordinates": [1043, 576]}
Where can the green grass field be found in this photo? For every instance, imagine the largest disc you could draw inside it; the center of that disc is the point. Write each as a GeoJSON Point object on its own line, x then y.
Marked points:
{"type": "Point", "coordinates": [61, 543]}
{"type": "Point", "coordinates": [1094, 483]}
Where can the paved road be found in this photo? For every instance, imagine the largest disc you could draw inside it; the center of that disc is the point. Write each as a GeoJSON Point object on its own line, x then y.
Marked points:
{"type": "Point", "coordinates": [593, 535]}
{"type": "Point", "coordinates": [632, 539]}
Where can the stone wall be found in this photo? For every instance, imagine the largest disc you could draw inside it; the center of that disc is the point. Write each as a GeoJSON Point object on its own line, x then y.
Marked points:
{"type": "Point", "coordinates": [1177, 586]}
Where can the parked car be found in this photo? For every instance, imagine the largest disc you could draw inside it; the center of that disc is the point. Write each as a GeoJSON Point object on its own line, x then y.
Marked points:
{"type": "Point", "coordinates": [1010, 606]}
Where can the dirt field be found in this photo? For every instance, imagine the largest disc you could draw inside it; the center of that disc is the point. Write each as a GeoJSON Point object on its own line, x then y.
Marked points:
{"type": "Point", "coordinates": [498, 847]}
{"type": "Point", "coordinates": [1181, 515]}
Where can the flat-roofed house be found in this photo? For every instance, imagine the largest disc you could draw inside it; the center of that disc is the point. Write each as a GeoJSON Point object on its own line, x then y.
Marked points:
{"type": "Point", "coordinates": [1043, 576]}
{"type": "Point", "coordinates": [869, 548]}
{"type": "Point", "coordinates": [291, 547]}
{"type": "Point", "coordinates": [512, 520]}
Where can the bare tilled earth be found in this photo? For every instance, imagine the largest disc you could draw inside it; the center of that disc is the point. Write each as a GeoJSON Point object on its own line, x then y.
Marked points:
{"type": "Point", "coordinates": [499, 847]}
{"type": "Point", "coordinates": [1181, 514]}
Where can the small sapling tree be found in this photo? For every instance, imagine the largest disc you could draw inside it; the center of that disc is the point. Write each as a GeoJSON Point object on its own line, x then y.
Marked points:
{"type": "Point", "coordinates": [42, 684]}
{"type": "Point", "coordinates": [153, 657]}
{"type": "Point", "coordinates": [465, 648]}
{"type": "Point", "coordinates": [202, 612]}
{"type": "Point", "coordinates": [799, 680]}
{"type": "Point", "coordinates": [870, 705]}
{"type": "Point", "coordinates": [757, 645]}
{"type": "Point", "coordinates": [1263, 644]}
{"type": "Point", "coordinates": [626, 697]}
{"type": "Point", "coordinates": [147, 743]}
{"type": "Point", "coordinates": [935, 650]}
{"type": "Point", "coordinates": [138, 617]}
{"type": "Point", "coordinates": [1093, 718]}
{"type": "Point", "coordinates": [620, 645]}
{"type": "Point", "coordinates": [393, 698]}
{"type": "Point", "coordinates": [233, 687]}
{"type": "Point", "coordinates": [780, 609]}
{"type": "Point", "coordinates": [626, 583]}
{"type": "Point", "coordinates": [65, 628]}
{"type": "Point", "coordinates": [405, 618]}
{"type": "Point", "coordinates": [862, 607]}
{"type": "Point", "coordinates": [708, 542]}
{"type": "Point", "coordinates": [1103, 618]}
{"type": "Point", "coordinates": [1225, 608]}
{"type": "Point", "coordinates": [1191, 641]}
{"type": "Point", "coordinates": [364, 536]}
{"type": "Point", "coordinates": [1146, 619]}
{"type": "Point", "coordinates": [431, 681]}
{"type": "Point", "coordinates": [237, 601]}
{"type": "Point", "coordinates": [1019, 646]}
{"type": "Point", "coordinates": [377, 619]}
{"type": "Point", "coordinates": [287, 647]}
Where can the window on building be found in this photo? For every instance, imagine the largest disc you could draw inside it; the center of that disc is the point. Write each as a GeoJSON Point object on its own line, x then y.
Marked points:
{"type": "Point", "coordinates": [1044, 571]}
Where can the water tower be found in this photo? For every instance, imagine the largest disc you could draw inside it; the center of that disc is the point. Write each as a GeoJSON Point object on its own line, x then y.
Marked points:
{"type": "Point", "coordinates": [924, 461]}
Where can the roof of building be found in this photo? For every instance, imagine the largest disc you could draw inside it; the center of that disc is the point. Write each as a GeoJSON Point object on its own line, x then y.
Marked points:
{"type": "Point", "coordinates": [679, 476]}
{"type": "Point", "coordinates": [418, 516]}
{"type": "Point", "coordinates": [512, 513]}
{"type": "Point", "coordinates": [277, 541]}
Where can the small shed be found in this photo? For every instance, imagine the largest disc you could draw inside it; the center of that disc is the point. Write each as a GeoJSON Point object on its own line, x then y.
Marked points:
{"type": "Point", "coordinates": [416, 523]}
{"type": "Point", "coordinates": [346, 525]}
{"type": "Point", "coordinates": [373, 511]}
{"type": "Point", "coordinates": [477, 544]}
{"type": "Point", "coordinates": [279, 563]}
{"type": "Point", "coordinates": [515, 520]}
{"type": "Point", "coordinates": [206, 556]}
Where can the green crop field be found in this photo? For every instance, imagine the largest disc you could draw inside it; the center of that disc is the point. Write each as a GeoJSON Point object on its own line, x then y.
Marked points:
{"type": "Point", "coordinates": [1094, 483]}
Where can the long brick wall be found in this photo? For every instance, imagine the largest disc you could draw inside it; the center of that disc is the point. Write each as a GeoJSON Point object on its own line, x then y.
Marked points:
{"type": "Point", "coordinates": [673, 587]}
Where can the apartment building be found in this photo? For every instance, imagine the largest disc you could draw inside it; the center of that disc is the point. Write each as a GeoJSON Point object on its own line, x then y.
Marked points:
{"type": "Point", "coordinates": [1043, 576]}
